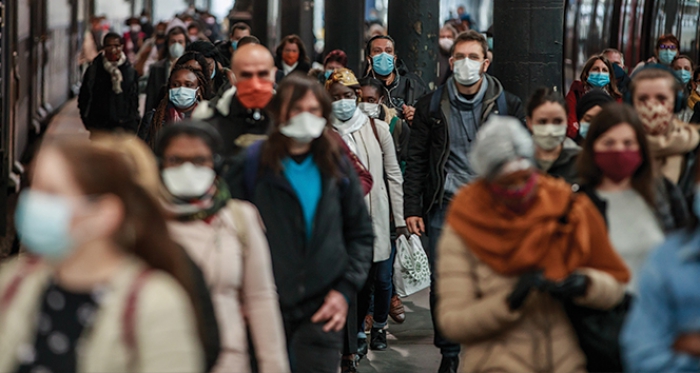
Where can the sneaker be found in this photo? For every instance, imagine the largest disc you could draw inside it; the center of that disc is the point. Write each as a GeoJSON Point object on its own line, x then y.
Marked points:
{"type": "Point", "coordinates": [362, 347]}
{"type": "Point", "coordinates": [449, 364]}
{"type": "Point", "coordinates": [378, 342]}
{"type": "Point", "coordinates": [347, 364]}
{"type": "Point", "coordinates": [396, 311]}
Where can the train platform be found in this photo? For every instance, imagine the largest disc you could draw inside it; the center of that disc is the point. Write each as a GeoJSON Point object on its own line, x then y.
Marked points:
{"type": "Point", "coordinates": [411, 347]}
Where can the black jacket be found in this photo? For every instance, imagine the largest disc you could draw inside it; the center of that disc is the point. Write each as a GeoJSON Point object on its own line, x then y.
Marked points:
{"type": "Point", "coordinates": [565, 166]}
{"type": "Point", "coordinates": [406, 88]}
{"type": "Point", "coordinates": [339, 253]}
{"type": "Point", "coordinates": [101, 108]}
{"type": "Point", "coordinates": [670, 208]}
{"type": "Point", "coordinates": [429, 146]}
{"type": "Point", "coordinates": [237, 124]}
{"type": "Point", "coordinates": [158, 75]}
{"type": "Point", "coordinates": [302, 67]}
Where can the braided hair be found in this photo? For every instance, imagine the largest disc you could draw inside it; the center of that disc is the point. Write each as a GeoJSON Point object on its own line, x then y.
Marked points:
{"type": "Point", "coordinates": [159, 118]}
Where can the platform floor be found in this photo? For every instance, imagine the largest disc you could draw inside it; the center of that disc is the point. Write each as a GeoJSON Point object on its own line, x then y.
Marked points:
{"type": "Point", "coordinates": [411, 347]}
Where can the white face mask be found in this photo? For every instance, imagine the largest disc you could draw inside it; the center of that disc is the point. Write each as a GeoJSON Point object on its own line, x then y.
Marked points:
{"type": "Point", "coordinates": [467, 72]}
{"type": "Point", "coordinates": [548, 136]}
{"type": "Point", "coordinates": [371, 110]}
{"type": "Point", "coordinates": [188, 180]}
{"type": "Point", "coordinates": [446, 44]}
{"type": "Point", "coordinates": [304, 127]}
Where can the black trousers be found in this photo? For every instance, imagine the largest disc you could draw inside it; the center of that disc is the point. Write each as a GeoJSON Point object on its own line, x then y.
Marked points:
{"type": "Point", "coordinates": [311, 350]}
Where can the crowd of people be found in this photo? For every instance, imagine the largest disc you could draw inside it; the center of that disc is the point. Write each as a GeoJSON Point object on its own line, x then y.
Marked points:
{"type": "Point", "coordinates": [247, 219]}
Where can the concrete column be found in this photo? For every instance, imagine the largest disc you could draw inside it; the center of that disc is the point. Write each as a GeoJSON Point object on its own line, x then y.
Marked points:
{"type": "Point", "coordinates": [259, 24]}
{"type": "Point", "coordinates": [297, 18]}
{"type": "Point", "coordinates": [528, 45]}
{"type": "Point", "coordinates": [344, 22]}
{"type": "Point", "coordinates": [415, 26]}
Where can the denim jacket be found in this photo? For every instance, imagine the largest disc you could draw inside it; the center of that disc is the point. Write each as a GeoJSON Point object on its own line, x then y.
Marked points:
{"type": "Point", "coordinates": [668, 305]}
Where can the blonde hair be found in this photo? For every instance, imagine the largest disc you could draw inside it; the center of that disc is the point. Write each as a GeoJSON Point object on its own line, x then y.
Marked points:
{"type": "Point", "coordinates": [139, 157]}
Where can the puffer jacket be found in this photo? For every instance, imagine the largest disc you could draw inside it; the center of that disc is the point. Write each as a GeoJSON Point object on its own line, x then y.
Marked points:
{"type": "Point", "coordinates": [429, 145]}
{"type": "Point", "coordinates": [472, 310]}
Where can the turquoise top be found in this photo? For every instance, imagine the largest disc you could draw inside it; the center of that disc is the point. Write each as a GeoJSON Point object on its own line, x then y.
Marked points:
{"type": "Point", "coordinates": [305, 178]}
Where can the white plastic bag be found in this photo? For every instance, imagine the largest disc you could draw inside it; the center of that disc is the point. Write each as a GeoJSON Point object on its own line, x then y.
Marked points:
{"type": "Point", "coordinates": [411, 267]}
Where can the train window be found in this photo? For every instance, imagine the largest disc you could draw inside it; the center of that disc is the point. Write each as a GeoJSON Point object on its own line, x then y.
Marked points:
{"type": "Point", "coordinates": [690, 11]}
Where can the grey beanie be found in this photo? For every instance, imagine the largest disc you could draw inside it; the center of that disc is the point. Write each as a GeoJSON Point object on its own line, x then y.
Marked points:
{"type": "Point", "coordinates": [501, 140]}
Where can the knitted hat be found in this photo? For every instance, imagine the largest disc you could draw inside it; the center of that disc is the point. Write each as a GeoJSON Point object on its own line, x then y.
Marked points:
{"type": "Point", "coordinates": [501, 141]}
{"type": "Point", "coordinates": [596, 97]}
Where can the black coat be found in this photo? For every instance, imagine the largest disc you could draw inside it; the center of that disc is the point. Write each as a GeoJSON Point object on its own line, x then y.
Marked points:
{"type": "Point", "coordinates": [101, 108]}
{"type": "Point", "coordinates": [565, 165]}
{"type": "Point", "coordinates": [429, 146]}
{"type": "Point", "coordinates": [158, 75]}
{"type": "Point", "coordinates": [406, 88]}
{"type": "Point", "coordinates": [338, 255]}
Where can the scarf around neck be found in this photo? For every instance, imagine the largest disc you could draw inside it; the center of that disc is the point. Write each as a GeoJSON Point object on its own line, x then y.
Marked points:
{"type": "Point", "coordinates": [352, 125]}
{"type": "Point", "coordinates": [113, 69]}
{"type": "Point", "coordinates": [202, 208]}
{"type": "Point", "coordinates": [558, 234]}
{"type": "Point", "coordinates": [693, 99]}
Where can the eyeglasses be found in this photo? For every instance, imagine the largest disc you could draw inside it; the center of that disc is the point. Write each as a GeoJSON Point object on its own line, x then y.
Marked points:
{"type": "Point", "coordinates": [113, 47]}
{"type": "Point", "coordinates": [197, 161]}
{"type": "Point", "coordinates": [670, 47]}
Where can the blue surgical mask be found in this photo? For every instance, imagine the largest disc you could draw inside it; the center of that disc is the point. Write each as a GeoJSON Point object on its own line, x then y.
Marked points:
{"type": "Point", "coordinates": [599, 80]}
{"type": "Point", "coordinates": [344, 109]}
{"type": "Point", "coordinates": [489, 40]}
{"type": "Point", "coordinates": [234, 44]}
{"type": "Point", "coordinates": [583, 129]}
{"type": "Point", "coordinates": [383, 64]}
{"type": "Point", "coordinates": [684, 76]}
{"type": "Point", "coordinates": [327, 74]}
{"type": "Point", "coordinates": [666, 56]}
{"type": "Point", "coordinates": [43, 224]}
{"type": "Point", "coordinates": [183, 97]}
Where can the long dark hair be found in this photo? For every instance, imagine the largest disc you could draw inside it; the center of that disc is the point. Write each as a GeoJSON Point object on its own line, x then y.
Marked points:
{"type": "Point", "coordinates": [542, 96]}
{"type": "Point", "coordinates": [292, 39]}
{"type": "Point", "coordinates": [143, 231]}
{"type": "Point", "coordinates": [325, 149]}
{"type": "Point", "coordinates": [209, 50]}
{"type": "Point", "coordinates": [611, 88]}
{"type": "Point", "coordinates": [610, 116]}
{"type": "Point", "coordinates": [165, 53]}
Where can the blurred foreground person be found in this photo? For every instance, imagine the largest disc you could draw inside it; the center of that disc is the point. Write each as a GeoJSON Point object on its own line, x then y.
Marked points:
{"type": "Point", "coordinates": [616, 172]}
{"type": "Point", "coordinates": [109, 95]}
{"type": "Point", "coordinates": [555, 154]}
{"type": "Point", "coordinates": [516, 247]}
{"type": "Point", "coordinates": [661, 333]}
{"type": "Point", "coordinates": [226, 239]}
{"type": "Point", "coordinates": [104, 288]}
{"type": "Point", "coordinates": [318, 227]}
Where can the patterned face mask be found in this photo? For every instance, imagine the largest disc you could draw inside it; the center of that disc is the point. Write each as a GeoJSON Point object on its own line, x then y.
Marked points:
{"type": "Point", "coordinates": [656, 118]}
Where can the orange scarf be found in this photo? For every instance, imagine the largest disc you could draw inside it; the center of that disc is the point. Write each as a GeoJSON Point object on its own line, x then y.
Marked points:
{"type": "Point", "coordinates": [513, 244]}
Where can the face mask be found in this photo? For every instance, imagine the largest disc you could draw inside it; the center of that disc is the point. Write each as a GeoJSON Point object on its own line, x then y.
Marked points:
{"type": "Point", "coordinates": [183, 97]}
{"type": "Point", "coordinates": [599, 80]}
{"type": "Point", "coordinates": [234, 44]}
{"type": "Point", "coordinates": [43, 224]}
{"type": "Point", "coordinates": [517, 199]}
{"type": "Point", "coordinates": [490, 43]}
{"type": "Point", "coordinates": [176, 50]}
{"type": "Point", "coordinates": [666, 56]}
{"type": "Point", "coordinates": [327, 74]}
{"type": "Point", "coordinates": [135, 29]}
{"type": "Point", "coordinates": [583, 129]}
{"type": "Point", "coordinates": [383, 64]}
{"type": "Point", "coordinates": [548, 136]}
{"type": "Point", "coordinates": [344, 109]}
{"type": "Point", "coordinates": [446, 44]}
{"type": "Point", "coordinates": [254, 93]}
{"type": "Point", "coordinates": [290, 58]}
{"type": "Point", "coordinates": [188, 180]}
{"type": "Point", "coordinates": [655, 117]}
{"type": "Point", "coordinates": [144, 20]}
{"type": "Point", "coordinates": [304, 127]}
{"type": "Point", "coordinates": [371, 110]}
{"type": "Point", "coordinates": [467, 72]}
{"type": "Point", "coordinates": [684, 76]}
{"type": "Point", "coordinates": [618, 166]}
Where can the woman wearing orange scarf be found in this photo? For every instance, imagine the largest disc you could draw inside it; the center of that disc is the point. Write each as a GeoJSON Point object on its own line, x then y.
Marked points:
{"type": "Point", "coordinates": [515, 245]}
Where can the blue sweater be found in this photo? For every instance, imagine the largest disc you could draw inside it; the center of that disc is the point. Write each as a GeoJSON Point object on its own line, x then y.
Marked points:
{"type": "Point", "coordinates": [305, 178]}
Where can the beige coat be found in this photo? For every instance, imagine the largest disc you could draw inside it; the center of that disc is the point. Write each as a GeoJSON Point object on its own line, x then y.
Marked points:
{"type": "Point", "coordinates": [238, 274]}
{"type": "Point", "coordinates": [165, 326]}
{"type": "Point", "coordinates": [379, 157]}
{"type": "Point", "coordinates": [537, 338]}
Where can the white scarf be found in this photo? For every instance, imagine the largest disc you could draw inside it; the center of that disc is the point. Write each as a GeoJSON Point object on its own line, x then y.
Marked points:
{"type": "Point", "coordinates": [352, 125]}
{"type": "Point", "coordinates": [288, 69]}
{"type": "Point", "coordinates": [113, 70]}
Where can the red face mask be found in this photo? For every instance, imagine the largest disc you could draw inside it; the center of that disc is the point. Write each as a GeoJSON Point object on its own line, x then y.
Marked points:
{"type": "Point", "coordinates": [290, 58]}
{"type": "Point", "coordinates": [618, 166]}
{"type": "Point", "coordinates": [254, 93]}
{"type": "Point", "coordinates": [517, 199]}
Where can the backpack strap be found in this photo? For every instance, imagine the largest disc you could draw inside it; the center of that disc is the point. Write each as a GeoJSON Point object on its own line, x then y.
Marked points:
{"type": "Point", "coordinates": [129, 316]}
{"type": "Point", "coordinates": [501, 104]}
{"type": "Point", "coordinates": [435, 102]}
{"type": "Point", "coordinates": [9, 294]}
{"type": "Point", "coordinates": [251, 168]}
{"type": "Point", "coordinates": [376, 134]}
